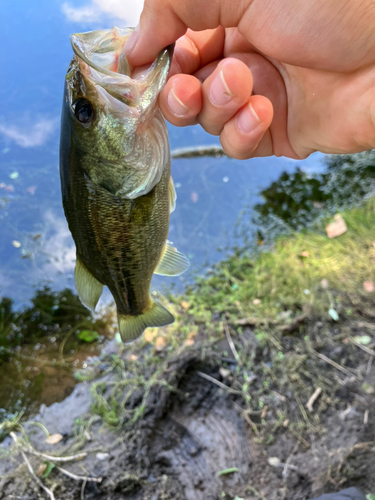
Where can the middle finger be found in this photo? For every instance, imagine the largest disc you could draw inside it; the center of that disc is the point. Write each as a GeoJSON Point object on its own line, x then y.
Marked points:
{"type": "Point", "coordinates": [224, 92]}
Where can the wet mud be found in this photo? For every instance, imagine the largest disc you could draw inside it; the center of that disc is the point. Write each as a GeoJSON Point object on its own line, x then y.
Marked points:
{"type": "Point", "coordinates": [195, 439]}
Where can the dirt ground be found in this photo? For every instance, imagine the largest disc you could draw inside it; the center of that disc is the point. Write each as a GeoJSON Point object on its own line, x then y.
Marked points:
{"type": "Point", "coordinates": [223, 419]}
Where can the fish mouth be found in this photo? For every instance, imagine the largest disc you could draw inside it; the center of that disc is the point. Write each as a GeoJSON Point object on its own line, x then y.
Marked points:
{"type": "Point", "coordinates": [101, 58]}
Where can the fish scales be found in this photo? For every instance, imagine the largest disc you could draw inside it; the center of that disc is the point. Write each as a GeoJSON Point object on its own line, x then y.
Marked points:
{"type": "Point", "coordinates": [116, 183]}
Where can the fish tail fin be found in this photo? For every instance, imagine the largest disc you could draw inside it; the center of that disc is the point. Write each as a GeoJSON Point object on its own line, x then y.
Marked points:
{"type": "Point", "coordinates": [132, 327]}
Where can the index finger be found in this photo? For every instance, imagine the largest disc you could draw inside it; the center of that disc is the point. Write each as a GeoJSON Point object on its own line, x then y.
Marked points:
{"type": "Point", "coordinates": [162, 22]}
{"type": "Point", "coordinates": [197, 49]}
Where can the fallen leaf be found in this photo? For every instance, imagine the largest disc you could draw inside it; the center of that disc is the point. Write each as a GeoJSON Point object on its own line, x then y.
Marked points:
{"type": "Point", "coordinates": [149, 335]}
{"type": "Point", "coordinates": [363, 339]}
{"type": "Point", "coordinates": [41, 470]}
{"type": "Point", "coordinates": [49, 468]}
{"type": "Point", "coordinates": [54, 438]}
{"type": "Point", "coordinates": [305, 253]}
{"type": "Point", "coordinates": [333, 314]}
{"type": "Point", "coordinates": [324, 283]}
{"type": "Point", "coordinates": [160, 343]}
{"type": "Point", "coordinates": [337, 227]}
{"type": "Point", "coordinates": [368, 286]}
{"type": "Point", "coordinates": [189, 342]}
{"type": "Point", "coordinates": [185, 304]}
{"type": "Point", "coordinates": [191, 335]}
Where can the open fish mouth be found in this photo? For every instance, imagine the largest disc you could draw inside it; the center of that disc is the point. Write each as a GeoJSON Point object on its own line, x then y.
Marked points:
{"type": "Point", "coordinates": [102, 60]}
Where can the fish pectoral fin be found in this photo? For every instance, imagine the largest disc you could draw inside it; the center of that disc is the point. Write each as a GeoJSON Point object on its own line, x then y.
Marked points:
{"type": "Point", "coordinates": [89, 289]}
{"type": "Point", "coordinates": [172, 195]}
{"type": "Point", "coordinates": [132, 327]}
{"type": "Point", "coordinates": [172, 262]}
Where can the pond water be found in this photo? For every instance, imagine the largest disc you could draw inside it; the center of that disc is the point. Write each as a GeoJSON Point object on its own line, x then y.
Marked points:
{"type": "Point", "coordinates": [36, 249]}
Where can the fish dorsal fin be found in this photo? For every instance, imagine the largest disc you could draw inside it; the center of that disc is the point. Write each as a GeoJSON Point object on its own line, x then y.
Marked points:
{"type": "Point", "coordinates": [132, 327]}
{"type": "Point", "coordinates": [172, 262]}
{"type": "Point", "coordinates": [89, 289]}
{"type": "Point", "coordinates": [172, 195]}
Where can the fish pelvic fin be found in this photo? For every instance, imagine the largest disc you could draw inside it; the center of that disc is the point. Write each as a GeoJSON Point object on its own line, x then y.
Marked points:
{"type": "Point", "coordinates": [132, 327]}
{"type": "Point", "coordinates": [89, 289]}
{"type": "Point", "coordinates": [172, 262]}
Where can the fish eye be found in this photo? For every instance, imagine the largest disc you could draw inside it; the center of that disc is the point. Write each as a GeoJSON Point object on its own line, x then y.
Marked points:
{"type": "Point", "coordinates": [83, 111]}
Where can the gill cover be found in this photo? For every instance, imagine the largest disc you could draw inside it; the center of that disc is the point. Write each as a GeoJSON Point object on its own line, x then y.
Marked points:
{"type": "Point", "coordinates": [127, 105]}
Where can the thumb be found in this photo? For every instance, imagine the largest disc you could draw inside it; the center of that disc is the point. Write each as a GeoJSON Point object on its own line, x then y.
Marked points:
{"type": "Point", "coordinates": [162, 22]}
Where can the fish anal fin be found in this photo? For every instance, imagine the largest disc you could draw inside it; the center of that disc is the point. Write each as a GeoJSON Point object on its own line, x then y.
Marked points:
{"type": "Point", "coordinates": [172, 262]}
{"type": "Point", "coordinates": [172, 195]}
{"type": "Point", "coordinates": [89, 289]}
{"type": "Point", "coordinates": [132, 327]}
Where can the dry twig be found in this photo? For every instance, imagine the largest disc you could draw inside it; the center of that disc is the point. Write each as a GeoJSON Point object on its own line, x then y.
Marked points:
{"type": "Point", "coordinates": [31, 470]}
{"type": "Point", "coordinates": [52, 458]}
{"type": "Point", "coordinates": [79, 478]}
{"type": "Point", "coordinates": [333, 363]}
{"type": "Point", "coordinates": [363, 347]}
{"type": "Point", "coordinates": [297, 321]}
{"type": "Point", "coordinates": [231, 344]}
{"type": "Point", "coordinates": [313, 398]}
{"type": "Point", "coordinates": [218, 383]}
{"type": "Point", "coordinates": [83, 490]}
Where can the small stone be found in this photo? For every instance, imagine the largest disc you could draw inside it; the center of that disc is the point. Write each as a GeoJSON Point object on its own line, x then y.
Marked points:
{"type": "Point", "coordinates": [102, 456]}
{"type": "Point", "coordinates": [274, 461]}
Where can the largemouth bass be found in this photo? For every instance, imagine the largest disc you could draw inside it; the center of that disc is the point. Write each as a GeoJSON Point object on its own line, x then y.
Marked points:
{"type": "Point", "coordinates": [116, 183]}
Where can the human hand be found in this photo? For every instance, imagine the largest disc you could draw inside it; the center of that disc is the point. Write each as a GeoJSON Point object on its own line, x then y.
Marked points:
{"type": "Point", "coordinates": [282, 77]}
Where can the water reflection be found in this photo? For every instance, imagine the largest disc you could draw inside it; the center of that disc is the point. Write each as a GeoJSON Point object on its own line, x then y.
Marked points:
{"type": "Point", "coordinates": [42, 345]}
{"type": "Point", "coordinates": [297, 199]}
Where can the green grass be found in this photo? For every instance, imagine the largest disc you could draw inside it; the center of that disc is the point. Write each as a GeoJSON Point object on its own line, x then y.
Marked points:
{"type": "Point", "coordinates": [282, 279]}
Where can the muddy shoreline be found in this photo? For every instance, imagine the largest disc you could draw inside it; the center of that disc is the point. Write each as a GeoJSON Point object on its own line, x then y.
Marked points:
{"type": "Point", "coordinates": [263, 388]}
{"type": "Point", "coordinates": [193, 428]}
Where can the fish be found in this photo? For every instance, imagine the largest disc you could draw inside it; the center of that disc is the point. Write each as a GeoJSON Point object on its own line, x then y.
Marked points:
{"type": "Point", "coordinates": [116, 183]}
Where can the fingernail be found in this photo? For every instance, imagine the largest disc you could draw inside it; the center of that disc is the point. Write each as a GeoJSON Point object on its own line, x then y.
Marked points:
{"type": "Point", "coordinates": [175, 104]}
{"type": "Point", "coordinates": [247, 120]}
{"type": "Point", "coordinates": [219, 91]}
{"type": "Point", "coordinates": [132, 41]}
